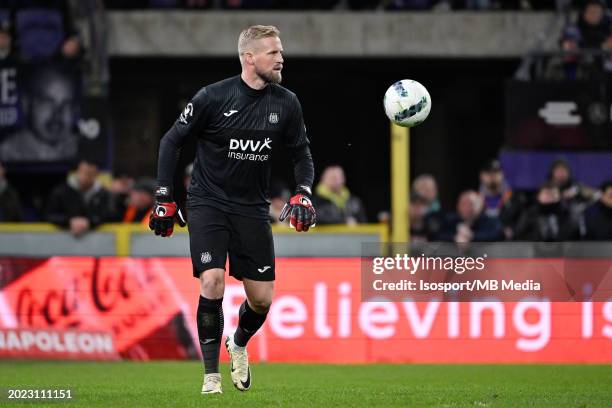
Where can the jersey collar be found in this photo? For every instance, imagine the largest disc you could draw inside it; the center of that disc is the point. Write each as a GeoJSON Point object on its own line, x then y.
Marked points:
{"type": "Point", "coordinates": [250, 91]}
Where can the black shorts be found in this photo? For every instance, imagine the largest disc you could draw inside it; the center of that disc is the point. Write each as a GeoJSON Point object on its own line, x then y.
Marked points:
{"type": "Point", "coordinates": [213, 234]}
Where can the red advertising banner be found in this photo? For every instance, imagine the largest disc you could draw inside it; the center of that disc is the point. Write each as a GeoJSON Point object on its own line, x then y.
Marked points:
{"type": "Point", "coordinates": [61, 344]}
{"type": "Point", "coordinates": [146, 308]}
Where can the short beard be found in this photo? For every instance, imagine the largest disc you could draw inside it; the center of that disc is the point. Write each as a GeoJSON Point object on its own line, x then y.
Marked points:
{"type": "Point", "coordinates": [273, 77]}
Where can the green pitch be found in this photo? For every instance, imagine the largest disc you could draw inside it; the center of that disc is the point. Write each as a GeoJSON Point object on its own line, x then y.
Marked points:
{"type": "Point", "coordinates": [169, 384]}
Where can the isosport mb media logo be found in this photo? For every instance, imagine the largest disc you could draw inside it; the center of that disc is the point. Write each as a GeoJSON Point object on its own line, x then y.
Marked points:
{"type": "Point", "coordinates": [253, 150]}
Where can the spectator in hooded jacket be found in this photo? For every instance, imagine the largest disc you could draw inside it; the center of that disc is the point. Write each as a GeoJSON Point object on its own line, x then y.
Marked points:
{"type": "Point", "coordinates": [594, 24]}
{"type": "Point", "coordinates": [549, 219]}
{"type": "Point", "coordinates": [572, 191]}
{"type": "Point", "coordinates": [334, 202]}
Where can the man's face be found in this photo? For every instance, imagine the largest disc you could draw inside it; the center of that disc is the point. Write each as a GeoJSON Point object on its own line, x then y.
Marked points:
{"type": "Point", "coordinates": [492, 180]}
{"type": "Point", "coordinates": [593, 14]}
{"type": "Point", "coordinates": [606, 198]}
{"type": "Point", "coordinates": [569, 45]}
{"type": "Point", "coordinates": [417, 210]}
{"type": "Point", "coordinates": [141, 199]}
{"type": "Point", "coordinates": [51, 109]}
{"type": "Point", "coordinates": [268, 59]}
{"type": "Point", "coordinates": [86, 175]}
{"type": "Point", "coordinates": [560, 175]}
{"type": "Point", "coordinates": [334, 179]}
{"type": "Point", "coordinates": [469, 206]}
{"type": "Point", "coordinates": [427, 189]}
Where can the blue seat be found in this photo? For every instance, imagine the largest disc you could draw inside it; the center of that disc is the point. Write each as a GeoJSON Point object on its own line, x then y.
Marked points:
{"type": "Point", "coordinates": [40, 32]}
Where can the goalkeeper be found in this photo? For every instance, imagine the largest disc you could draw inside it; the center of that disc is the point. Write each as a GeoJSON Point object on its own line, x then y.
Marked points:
{"type": "Point", "coordinates": [238, 122]}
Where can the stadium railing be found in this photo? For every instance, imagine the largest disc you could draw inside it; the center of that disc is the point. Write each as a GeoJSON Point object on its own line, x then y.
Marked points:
{"type": "Point", "coordinates": [43, 240]}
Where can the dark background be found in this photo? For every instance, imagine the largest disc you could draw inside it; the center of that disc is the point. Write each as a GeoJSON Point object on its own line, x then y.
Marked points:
{"type": "Point", "coordinates": [342, 104]}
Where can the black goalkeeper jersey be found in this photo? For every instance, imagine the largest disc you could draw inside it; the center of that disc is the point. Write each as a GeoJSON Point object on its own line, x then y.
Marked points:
{"type": "Point", "coordinates": [238, 128]}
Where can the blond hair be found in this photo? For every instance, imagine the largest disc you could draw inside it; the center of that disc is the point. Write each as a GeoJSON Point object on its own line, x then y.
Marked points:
{"type": "Point", "coordinates": [255, 33]}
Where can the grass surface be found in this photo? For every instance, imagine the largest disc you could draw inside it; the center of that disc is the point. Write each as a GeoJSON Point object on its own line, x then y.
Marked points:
{"type": "Point", "coordinates": [161, 384]}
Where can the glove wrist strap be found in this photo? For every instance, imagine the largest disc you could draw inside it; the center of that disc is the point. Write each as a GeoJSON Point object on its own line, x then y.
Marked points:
{"type": "Point", "coordinates": [163, 194]}
{"type": "Point", "coordinates": [304, 189]}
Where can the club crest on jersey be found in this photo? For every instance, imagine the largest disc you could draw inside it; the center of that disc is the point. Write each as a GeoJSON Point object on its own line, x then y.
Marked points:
{"type": "Point", "coordinates": [273, 118]}
{"type": "Point", "coordinates": [186, 114]}
{"type": "Point", "coordinates": [205, 257]}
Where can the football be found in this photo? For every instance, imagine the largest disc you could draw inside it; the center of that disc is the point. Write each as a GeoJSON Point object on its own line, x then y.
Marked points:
{"type": "Point", "coordinates": [407, 103]}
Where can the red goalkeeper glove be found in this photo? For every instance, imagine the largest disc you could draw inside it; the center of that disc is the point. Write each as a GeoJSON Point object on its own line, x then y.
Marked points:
{"type": "Point", "coordinates": [165, 211]}
{"type": "Point", "coordinates": [300, 211]}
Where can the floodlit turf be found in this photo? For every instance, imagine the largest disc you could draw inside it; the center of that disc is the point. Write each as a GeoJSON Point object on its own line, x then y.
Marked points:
{"type": "Point", "coordinates": [156, 384]}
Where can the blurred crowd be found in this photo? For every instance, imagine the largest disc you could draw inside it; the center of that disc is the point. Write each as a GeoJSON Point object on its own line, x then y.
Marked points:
{"type": "Point", "coordinates": [442, 5]}
{"type": "Point", "coordinates": [585, 45]}
{"type": "Point", "coordinates": [563, 209]}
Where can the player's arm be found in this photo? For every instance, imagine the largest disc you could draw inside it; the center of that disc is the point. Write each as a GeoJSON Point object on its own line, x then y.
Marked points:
{"type": "Point", "coordinates": [299, 208]}
{"type": "Point", "coordinates": [189, 122]}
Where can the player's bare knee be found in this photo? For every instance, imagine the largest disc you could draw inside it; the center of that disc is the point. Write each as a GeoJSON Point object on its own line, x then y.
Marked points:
{"type": "Point", "coordinates": [212, 284]}
{"type": "Point", "coordinates": [260, 306]}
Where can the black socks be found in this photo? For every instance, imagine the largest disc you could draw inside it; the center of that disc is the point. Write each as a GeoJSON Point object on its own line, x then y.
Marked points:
{"type": "Point", "coordinates": [248, 323]}
{"type": "Point", "coordinates": [210, 330]}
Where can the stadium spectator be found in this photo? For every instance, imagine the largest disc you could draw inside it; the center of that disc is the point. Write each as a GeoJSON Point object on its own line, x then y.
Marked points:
{"type": "Point", "coordinates": [607, 59]}
{"type": "Point", "coordinates": [334, 202]}
{"type": "Point", "coordinates": [550, 219]}
{"type": "Point", "coordinates": [470, 223]}
{"type": "Point", "coordinates": [572, 192]}
{"type": "Point", "coordinates": [140, 202]}
{"type": "Point", "coordinates": [279, 195]}
{"type": "Point", "coordinates": [499, 199]}
{"type": "Point", "coordinates": [598, 217]}
{"type": "Point", "coordinates": [426, 187]}
{"type": "Point", "coordinates": [571, 65]}
{"type": "Point", "coordinates": [120, 188]}
{"type": "Point", "coordinates": [81, 203]}
{"type": "Point", "coordinates": [423, 226]}
{"type": "Point", "coordinates": [10, 205]}
{"type": "Point", "coordinates": [44, 30]}
{"type": "Point", "coordinates": [594, 24]}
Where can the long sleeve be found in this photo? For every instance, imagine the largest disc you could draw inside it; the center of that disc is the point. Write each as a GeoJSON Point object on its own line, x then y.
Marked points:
{"type": "Point", "coordinates": [303, 168]}
{"type": "Point", "coordinates": [297, 142]}
{"type": "Point", "coordinates": [189, 122]}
